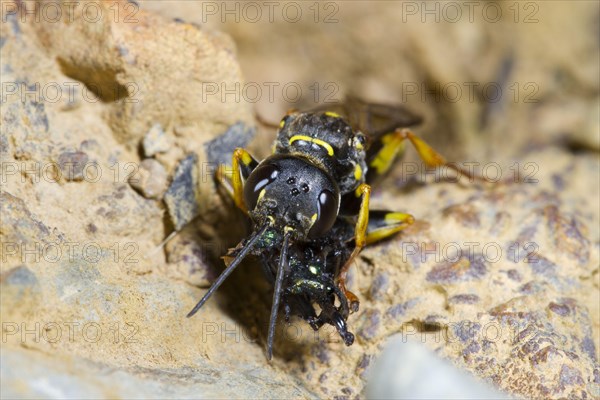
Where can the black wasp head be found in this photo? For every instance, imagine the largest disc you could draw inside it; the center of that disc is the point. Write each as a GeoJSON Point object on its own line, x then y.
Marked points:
{"type": "Point", "coordinates": [292, 194]}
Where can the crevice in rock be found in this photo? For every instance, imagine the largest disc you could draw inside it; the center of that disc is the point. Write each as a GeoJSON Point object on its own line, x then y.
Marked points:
{"type": "Point", "coordinates": [425, 326]}
{"type": "Point", "coordinates": [577, 147]}
{"type": "Point", "coordinates": [100, 81]}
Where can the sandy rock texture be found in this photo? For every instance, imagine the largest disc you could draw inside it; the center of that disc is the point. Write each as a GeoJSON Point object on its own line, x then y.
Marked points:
{"type": "Point", "coordinates": [95, 117]}
{"type": "Point", "coordinates": [526, 73]}
{"type": "Point", "coordinates": [109, 140]}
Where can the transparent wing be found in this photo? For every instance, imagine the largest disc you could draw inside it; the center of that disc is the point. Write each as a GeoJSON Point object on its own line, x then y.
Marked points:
{"type": "Point", "coordinates": [373, 119]}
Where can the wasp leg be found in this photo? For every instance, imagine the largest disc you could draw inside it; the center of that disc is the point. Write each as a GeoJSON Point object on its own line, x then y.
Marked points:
{"type": "Point", "coordinates": [383, 224]}
{"type": "Point", "coordinates": [344, 308]}
{"type": "Point", "coordinates": [360, 239]}
{"type": "Point", "coordinates": [261, 120]}
{"type": "Point", "coordinates": [386, 150]}
{"type": "Point", "coordinates": [375, 226]}
{"type": "Point", "coordinates": [382, 154]}
{"type": "Point", "coordinates": [242, 165]}
{"type": "Point", "coordinates": [270, 124]}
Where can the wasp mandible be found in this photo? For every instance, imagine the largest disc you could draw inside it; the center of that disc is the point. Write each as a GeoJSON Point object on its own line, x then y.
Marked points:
{"type": "Point", "coordinates": [309, 205]}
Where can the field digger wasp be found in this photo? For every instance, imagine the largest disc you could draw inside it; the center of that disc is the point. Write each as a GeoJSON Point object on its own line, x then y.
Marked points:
{"type": "Point", "coordinates": [309, 205]}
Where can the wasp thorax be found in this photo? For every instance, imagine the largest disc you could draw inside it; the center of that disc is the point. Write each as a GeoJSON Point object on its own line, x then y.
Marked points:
{"type": "Point", "coordinates": [329, 141]}
{"type": "Point", "coordinates": [292, 193]}
{"type": "Point", "coordinates": [318, 134]}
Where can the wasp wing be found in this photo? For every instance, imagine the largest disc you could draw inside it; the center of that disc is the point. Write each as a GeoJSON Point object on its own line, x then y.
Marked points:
{"type": "Point", "coordinates": [373, 119]}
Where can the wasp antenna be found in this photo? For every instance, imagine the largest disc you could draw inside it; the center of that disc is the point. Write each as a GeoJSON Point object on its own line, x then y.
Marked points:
{"type": "Point", "coordinates": [236, 261]}
{"type": "Point", "coordinates": [265, 122]}
{"type": "Point", "coordinates": [277, 295]}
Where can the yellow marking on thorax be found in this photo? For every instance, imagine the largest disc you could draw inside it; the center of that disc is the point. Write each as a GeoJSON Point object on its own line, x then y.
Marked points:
{"type": "Point", "coordinates": [357, 172]}
{"type": "Point", "coordinates": [332, 114]}
{"type": "Point", "coordinates": [316, 141]}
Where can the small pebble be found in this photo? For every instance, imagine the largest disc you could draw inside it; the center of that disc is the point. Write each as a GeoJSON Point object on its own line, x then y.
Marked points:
{"type": "Point", "coordinates": [72, 164]}
{"type": "Point", "coordinates": [155, 141]}
{"type": "Point", "coordinates": [150, 179]}
{"type": "Point", "coordinates": [181, 198]}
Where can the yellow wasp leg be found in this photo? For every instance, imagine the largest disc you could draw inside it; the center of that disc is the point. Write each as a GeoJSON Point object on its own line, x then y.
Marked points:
{"type": "Point", "coordinates": [392, 144]}
{"type": "Point", "coordinates": [223, 177]}
{"type": "Point", "coordinates": [383, 224]}
{"type": "Point", "coordinates": [236, 179]}
{"type": "Point", "coordinates": [434, 159]}
{"type": "Point", "coordinates": [360, 239]}
{"type": "Point", "coordinates": [242, 164]}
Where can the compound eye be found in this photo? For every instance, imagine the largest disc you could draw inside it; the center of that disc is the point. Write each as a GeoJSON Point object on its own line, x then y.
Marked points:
{"type": "Point", "coordinates": [258, 180]}
{"type": "Point", "coordinates": [327, 209]}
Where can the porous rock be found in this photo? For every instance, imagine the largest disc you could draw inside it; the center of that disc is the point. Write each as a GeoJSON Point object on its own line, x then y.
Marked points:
{"type": "Point", "coordinates": [501, 281]}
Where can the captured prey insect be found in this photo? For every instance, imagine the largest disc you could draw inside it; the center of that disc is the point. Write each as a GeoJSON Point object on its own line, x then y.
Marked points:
{"type": "Point", "coordinates": [309, 205]}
